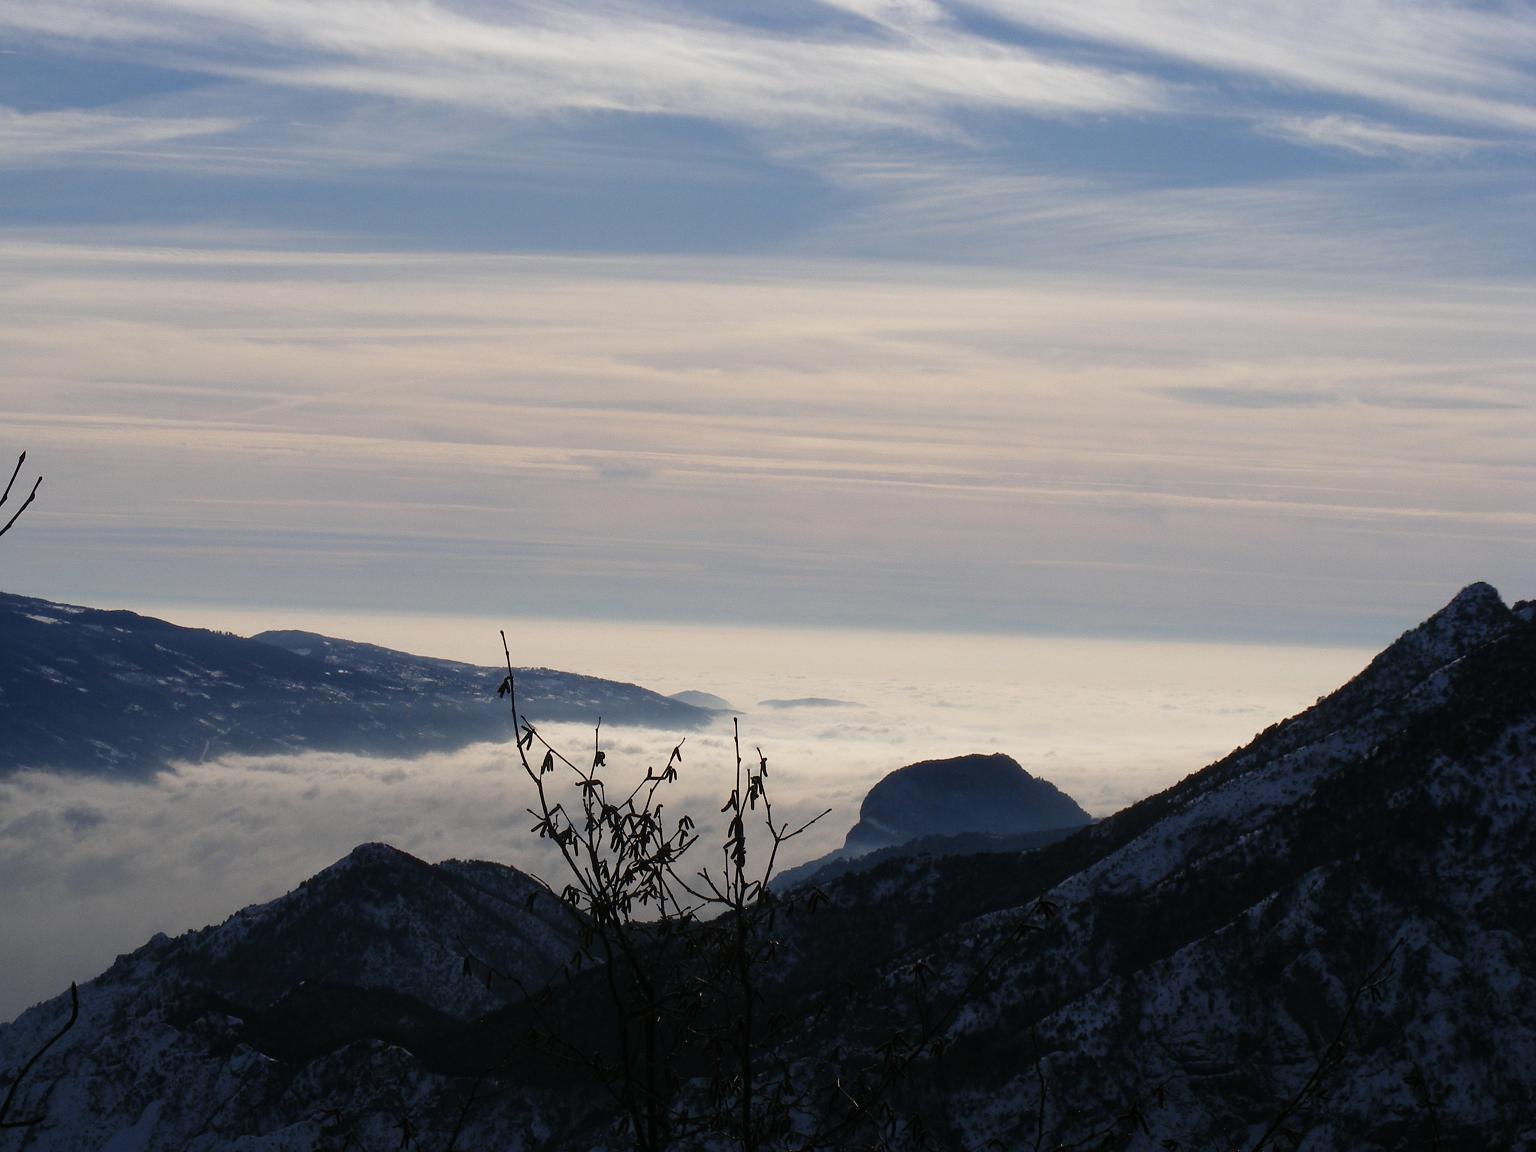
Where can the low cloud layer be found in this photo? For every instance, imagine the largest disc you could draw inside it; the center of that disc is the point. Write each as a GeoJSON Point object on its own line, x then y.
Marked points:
{"type": "Point", "coordinates": [95, 866]}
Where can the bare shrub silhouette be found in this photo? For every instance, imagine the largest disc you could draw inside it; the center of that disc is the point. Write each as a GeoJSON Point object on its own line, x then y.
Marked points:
{"type": "Point", "coordinates": [6, 1105]}
{"type": "Point", "coordinates": [703, 1049]}
{"type": "Point", "coordinates": [32, 1121]}
{"type": "Point", "coordinates": [6, 495]}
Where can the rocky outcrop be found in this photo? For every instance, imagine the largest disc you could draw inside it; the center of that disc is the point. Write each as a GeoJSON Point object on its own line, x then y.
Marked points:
{"type": "Point", "coordinates": [987, 794]}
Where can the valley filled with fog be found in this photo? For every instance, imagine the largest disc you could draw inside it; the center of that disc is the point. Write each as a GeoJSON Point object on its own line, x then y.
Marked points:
{"type": "Point", "coordinates": [96, 865]}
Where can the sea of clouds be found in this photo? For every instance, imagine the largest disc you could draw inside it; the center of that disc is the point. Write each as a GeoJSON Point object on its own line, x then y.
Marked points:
{"type": "Point", "coordinates": [94, 866]}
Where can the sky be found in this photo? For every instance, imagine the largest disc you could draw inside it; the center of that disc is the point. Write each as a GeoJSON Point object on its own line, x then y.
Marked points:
{"type": "Point", "coordinates": [1195, 320]}
{"type": "Point", "coordinates": [1097, 383]}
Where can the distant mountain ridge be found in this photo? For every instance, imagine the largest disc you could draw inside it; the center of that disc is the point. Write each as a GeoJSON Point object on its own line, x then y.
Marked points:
{"type": "Point", "coordinates": [91, 690]}
{"type": "Point", "coordinates": [952, 806]}
{"type": "Point", "coordinates": [705, 700]}
{"type": "Point", "coordinates": [986, 793]}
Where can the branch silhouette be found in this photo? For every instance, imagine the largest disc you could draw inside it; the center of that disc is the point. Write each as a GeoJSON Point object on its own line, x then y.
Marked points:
{"type": "Point", "coordinates": [10, 1095]}
{"type": "Point", "coordinates": [6, 495]}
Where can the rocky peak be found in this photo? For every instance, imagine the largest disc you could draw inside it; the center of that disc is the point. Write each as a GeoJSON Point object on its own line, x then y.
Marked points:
{"type": "Point", "coordinates": [373, 854]}
{"type": "Point", "coordinates": [381, 918]}
{"type": "Point", "coordinates": [977, 793]}
{"type": "Point", "coordinates": [1474, 616]}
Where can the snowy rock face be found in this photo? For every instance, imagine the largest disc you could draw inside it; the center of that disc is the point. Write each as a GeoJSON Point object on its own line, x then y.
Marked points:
{"type": "Point", "coordinates": [1325, 936]}
{"type": "Point", "coordinates": [1474, 618]}
{"type": "Point", "coordinates": [88, 690]}
{"type": "Point", "coordinates": [288, 1008]}
{"type": "Point", "coordinates": [1364, 873]}
{"type": "Point", "coordinates": [382, 919]}
{"type": "Point", "coordinates": [986, 794]}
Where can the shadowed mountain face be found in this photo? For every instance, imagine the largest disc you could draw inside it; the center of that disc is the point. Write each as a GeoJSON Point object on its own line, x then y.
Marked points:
{"type": "Point", "coordinates": [305, 997]}
{"type": "Point", "coordinates": [1210, 940]}
{"type": "Point", "coordinates": [82, 689]}
{"type": "Point", "coordinates": [380, 918]}
{"type": "Point", "coordinates": [991, 795]}
{"type": "Point", "coordinates": [1326, 933]}
{"type": "Point", "coordinates": [950, 807]}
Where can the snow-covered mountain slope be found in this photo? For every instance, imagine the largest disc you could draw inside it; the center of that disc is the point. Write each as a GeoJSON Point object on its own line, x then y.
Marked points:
{"type": "Point", "coordinates": [1327, 932]}
{"type": "Point", "coordinates": [1207, 942]}
{"type": "Point", "coordinates": [833, 865]}
{"type": "Point", "coordinates": [290, 1001]}
{"type": "Point", "coordinates": [380, 918]}
{"type": "Point", "coordinates": [83, 689]}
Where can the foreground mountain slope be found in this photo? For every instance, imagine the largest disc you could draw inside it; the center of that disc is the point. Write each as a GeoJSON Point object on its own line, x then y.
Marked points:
{"type": "Point", "coordinates": [1344, 903]}
{"type": "Point", "coordinates": [1207, 942]}
{"type": "Point", "coordinates": [253, 1025]}
{"type": "Point", "coordinates": [83, 689]}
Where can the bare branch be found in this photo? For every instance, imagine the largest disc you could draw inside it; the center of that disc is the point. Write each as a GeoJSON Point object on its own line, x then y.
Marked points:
{"type": "Point", "coordinates": [6, 495]}
{"type": "Point", "coordinates": [10, 1096]}
{"type": "Point", "coordinates": [1331, 1055]}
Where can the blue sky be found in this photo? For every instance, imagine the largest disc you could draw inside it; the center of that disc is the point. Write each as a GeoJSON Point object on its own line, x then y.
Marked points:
{"type": "Point", "coordinates": [1189, 319]}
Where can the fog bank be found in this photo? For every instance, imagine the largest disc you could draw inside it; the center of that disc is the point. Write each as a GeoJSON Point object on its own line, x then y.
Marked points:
{"type": "Point", "coordinates": [95, 866]}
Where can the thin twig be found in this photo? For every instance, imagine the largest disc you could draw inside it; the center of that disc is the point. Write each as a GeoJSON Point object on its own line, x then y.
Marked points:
{"type": "Point", "coordinates": [5, 1106]}
{"type": "Point", "coordinates": [6, 495]}
{"type": "Point", "coordinates": [1332, 1053]}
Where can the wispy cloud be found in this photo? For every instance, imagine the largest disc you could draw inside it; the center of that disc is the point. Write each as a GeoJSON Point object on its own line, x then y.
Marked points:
{"type": "Point", "coordinates": [535, 59]}
{"type": "Point", "coordinates": [904, 15]}
{"type": "Point", "coordinates": [910, 125]}
{"type": "Point", "coordinates": [1459, 62]}
{"type": "Point", "coordinates": [31, 138]}
{"type": "Point", "coordinates": [1369, 138]}
{"type": "Point", "coordinates": [977, 208]}
{"type": "Point", "coordinates": [678, 438]}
